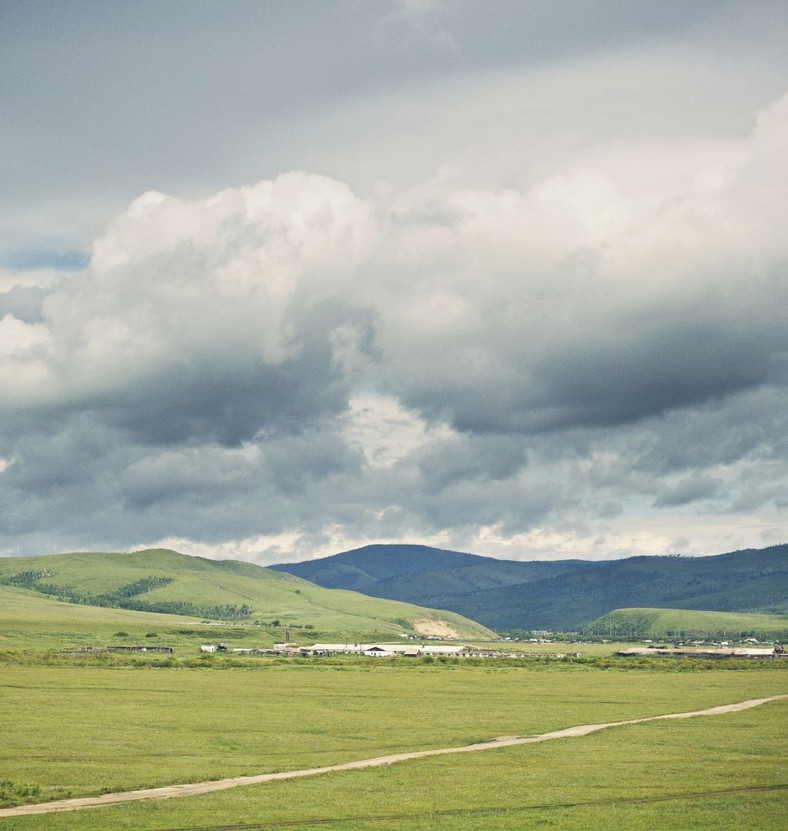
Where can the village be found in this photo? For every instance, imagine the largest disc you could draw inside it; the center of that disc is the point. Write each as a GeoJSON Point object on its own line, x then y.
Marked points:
{"type": "Point", "coordinates": [697, 651]}
{"type": "Point", "coordinates": [369, 650]}
{"type": "Point", "coordinates": [748, 649]}
{"type": "Point", "coordinates": [422, 650]}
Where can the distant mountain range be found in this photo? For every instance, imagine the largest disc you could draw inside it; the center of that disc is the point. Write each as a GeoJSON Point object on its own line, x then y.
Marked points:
{"type": "Point", "coordinates": [561, 594]}
{"type": "Point", "coordinates": [499, 594]}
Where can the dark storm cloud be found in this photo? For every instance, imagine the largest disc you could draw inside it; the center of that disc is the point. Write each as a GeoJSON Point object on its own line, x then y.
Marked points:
{"type": "Point", "coordinates": [688, 490]}
{"type": "Point", "coordinates": [470, 458]}
{"type": "Point", "coordinates": [62, 484]}
{"type": "Point", "coordinates": [630, 371]}
{"type": "Point", "coordinates": [88, 485]}
{"type": "Point", "coordinates": [538, 302]}
{"type": "Point", "coordinates": [227, 402]}
{"type": "Point", "coordinates": [752, 425]}
{"type": "Point", "coordinates": [616, 375]}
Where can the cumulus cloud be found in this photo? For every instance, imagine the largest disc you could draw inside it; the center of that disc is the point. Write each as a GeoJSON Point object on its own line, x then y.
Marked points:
{"type": "Point", "coordinates": [489, 363]}
{"type": "Point", "coordinates": [584, 301]}
{"type": "Point", "coordinates": [208, 318]}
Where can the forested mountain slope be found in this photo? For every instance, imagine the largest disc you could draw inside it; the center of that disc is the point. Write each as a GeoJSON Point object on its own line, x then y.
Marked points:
{"type": "Point", "coordinates": [562, 594]}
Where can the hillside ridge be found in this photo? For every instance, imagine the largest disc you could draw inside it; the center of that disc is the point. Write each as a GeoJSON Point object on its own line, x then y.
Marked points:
{"type": "Point", "coordinates": [166, 581]}
{"type": "Point", "coordinates": [560, 594]}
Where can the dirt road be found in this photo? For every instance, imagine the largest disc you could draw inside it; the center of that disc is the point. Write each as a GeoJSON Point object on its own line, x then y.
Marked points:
{"type": "Point", "coordinates": [195, 788]}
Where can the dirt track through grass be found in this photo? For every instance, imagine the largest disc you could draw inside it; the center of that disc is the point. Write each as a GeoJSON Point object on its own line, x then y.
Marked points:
{"type": "Point", "coordinates": [195, 788]}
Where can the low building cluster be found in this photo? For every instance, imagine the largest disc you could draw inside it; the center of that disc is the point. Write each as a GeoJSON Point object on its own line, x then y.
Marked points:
{"type": "Point", "coordinates": [96, 649]}
{"type": "Point", "coordinates": [390, 650]}
{"type": "Point", "coordinates": [700, 652]}
{"type": "Point", "coordinates": [372, 650]}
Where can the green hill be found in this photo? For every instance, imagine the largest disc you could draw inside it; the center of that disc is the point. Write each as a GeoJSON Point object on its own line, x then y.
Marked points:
{"type": "Point", "coordinates": [564, 594]}
{"type": "Point", "coordinates": [421, 571]}
{"type": "Point", "coordinates": [371, 564]}
{"type": "Point", "coordinates": [429, 585]}
{"type": "Point", "coordinates": [195, 588]}
{"type": "Point", "coordinates": [683, 623]}
{"type": "Point", "coordinates": [752, 581]}
{"type": "Point", "coordinates": [32, 622]}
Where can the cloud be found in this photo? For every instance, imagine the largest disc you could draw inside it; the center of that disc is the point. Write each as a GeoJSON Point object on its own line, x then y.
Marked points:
{"type": "Point", "coordinates": [522, 365]}
{"type": "Point", "coordinates": [585, 300]}
{"type": "Point", "coordinates": [688, 490]}
{"type": "Point", "coordinates": [201, 319]}
{"type": "Point", "coordinates": [191, 99]}
{"type": "Point", "coordinates": [23, 303]}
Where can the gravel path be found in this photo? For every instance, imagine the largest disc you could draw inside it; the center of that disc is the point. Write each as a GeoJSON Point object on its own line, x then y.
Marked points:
{"type": "Point", "coordinates": [195, 788]}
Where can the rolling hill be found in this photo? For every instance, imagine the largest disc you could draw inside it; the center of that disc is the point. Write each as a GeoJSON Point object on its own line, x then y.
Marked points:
{"type": "Point", "coordinates": [684, 623]}
{"type": "Point", "coordinates": [564, 594]}
{"type": "Point", "coordinates": [162, 581]}
{"type": "Point", "coordinates": [367, 566]}
{"type": "Point", "coordinates": [395, 571]}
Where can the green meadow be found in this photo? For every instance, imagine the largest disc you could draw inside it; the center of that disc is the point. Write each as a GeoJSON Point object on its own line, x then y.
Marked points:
{"type": "Point", "coordinates": [76, 724]}
{"type": "Point", "coordinates": [671, 623]}
{"type": "Point", "coordinates": [34, 626]}
{"type": "Point", "coordinates": [674, 776]}
{"type": "Point", "coordinates": [76, 731]}
{"type": "Point", "coordinates": [194, 588]}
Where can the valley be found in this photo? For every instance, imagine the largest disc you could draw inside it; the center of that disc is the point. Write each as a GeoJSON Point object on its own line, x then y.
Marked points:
{"type": "Point", "coordinates": [81, 721]}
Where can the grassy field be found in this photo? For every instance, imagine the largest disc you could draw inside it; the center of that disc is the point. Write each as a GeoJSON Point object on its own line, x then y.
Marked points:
{"type": "Point", "coordinates": [617, 781]}
{"type": "Point", "coordinates": [663, 623]}
{"type": "Point", "coordinates": [94, 724]}
{"type": "Point", "coordinates": [30, 623]}
{"type": "Point", "coordinates": [83, 731]}
{"type": "Point", "coordinates": [270, 595]}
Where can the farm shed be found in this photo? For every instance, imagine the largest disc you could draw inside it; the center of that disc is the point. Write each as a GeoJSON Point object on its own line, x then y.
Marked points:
{"type": "Point", "coordinates": [333, 649]}
{"type": "Point", "coordinates": [405, 650]}
{"type": "Point", "coordinates": [678, 652]}
{"type": "Point", "coordinates": [447, 651]}
{"type": "Point", "coordinates": [378, 651]}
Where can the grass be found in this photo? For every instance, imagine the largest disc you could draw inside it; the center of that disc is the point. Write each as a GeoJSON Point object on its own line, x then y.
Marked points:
{"type": "Point", "coordinates": [30, 623]}
{"type": "Point", "coordinates": [83, 731]}
{"type": "Point", "coordinates": [118, 722]}
{"type": "Point", "coordinates": [572, 784]}
{"type": "Point", "coordinates": [271, 595]}
{"type": "Point", "coordinates": [662, 623]}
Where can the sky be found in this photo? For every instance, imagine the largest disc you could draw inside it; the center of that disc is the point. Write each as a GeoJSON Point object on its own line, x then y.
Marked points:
{"type": "Point", "coordinates": [280, 279]}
